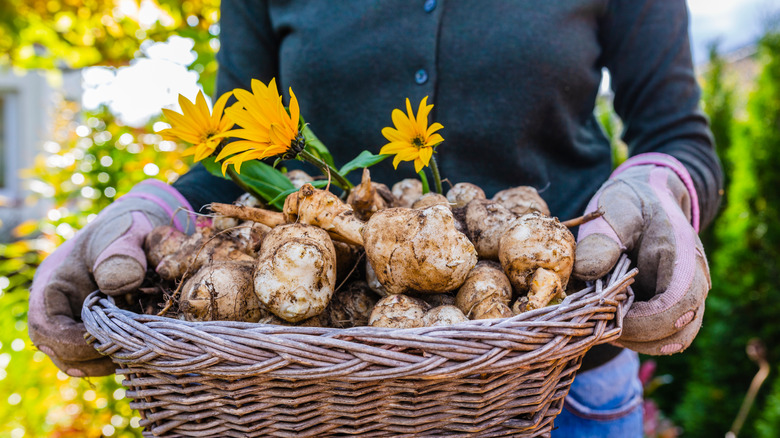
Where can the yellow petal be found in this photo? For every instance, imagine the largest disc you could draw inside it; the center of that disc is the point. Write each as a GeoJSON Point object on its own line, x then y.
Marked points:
{"type": "Point", "coordinates": [434, 140]}
{"type": "Point", "coordinates": [409, 112]}
{"type": "Point", "coordinates": [237, 165]}
{"type": "Point", "coordinates": [221, 103]}
{"type": "Point", "coordinates": [295, 110]}
{"type": "Point", "coordinates": [225, 123]}
{"type": "Point", "coordinates": [204, 150]}
{"type": "Point", "coordinates": [425, 155]}
{"type": "Point", "coordinates": [272, 86]}
{"type": "Point", "coordinates": [236, 147]}
{"type": "Point", "coordinates": [180, 121]}
{"type": "Point", "coordinates": [393, 135]}
{"type": "Point", "coordinates": [422, 115]}
{"type": "Point", "coordinates": [284, 122]}
{"type": "Point", "coordinates": [189, 151]}
{"type": "Point", "coordinates": [409, 154]}
{"type": "Point", "coordinates": [202, 108]}
{"type": "Point", "coordinates": [246, 120]}
{"type": "Point", "coordinates": [261, 89]}
{"type": "Point", "coordinates": [219, 108]}
{"type": "Point", "coordinates": [274, 150]}
{"type": "Point", "coordinates": [278, 136]}
{"type": "Point", "coordinates": [251, 134]}
{"type": "Point", "coordinates": [433, 128]}
{"type": "Point", "coordinates": [402, 123]}
{"type": "Point", "coordinates": [418, 165]}
{"type": "Point", "coordinates": [180, 134]}
{"type": "Point", "coordinates": [396, 161]}
{"type": "Point", "coordinates": [191, 111]}
{"type": "Point", "coordinates": [253, 109]}
{"type": "Point", "coordinates": [395, 147]}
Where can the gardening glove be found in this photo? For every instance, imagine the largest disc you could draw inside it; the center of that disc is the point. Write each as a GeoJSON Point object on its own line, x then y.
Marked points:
{"type": "Point", "coordinates": [651, 212]}
{"type": "Point", "coordinates": [108, 255]}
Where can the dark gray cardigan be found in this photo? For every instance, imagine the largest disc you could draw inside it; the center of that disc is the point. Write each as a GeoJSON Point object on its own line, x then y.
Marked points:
{"type": "Point", "coordinates": [513, 82]}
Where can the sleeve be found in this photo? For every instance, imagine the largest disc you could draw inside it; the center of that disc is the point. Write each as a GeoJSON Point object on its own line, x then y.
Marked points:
{"type": "Point", "coordinates": [248, 49]}
{"type": "Point", "coordinates": [647, 52]}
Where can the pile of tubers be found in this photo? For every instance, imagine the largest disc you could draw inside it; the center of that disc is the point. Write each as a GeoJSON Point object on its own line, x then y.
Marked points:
{"type": "Point", "coordinates": [384, 257]}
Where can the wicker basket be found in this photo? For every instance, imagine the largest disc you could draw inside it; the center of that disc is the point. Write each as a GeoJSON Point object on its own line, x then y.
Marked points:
{"type": "Point", "coordinates": [502, 377]}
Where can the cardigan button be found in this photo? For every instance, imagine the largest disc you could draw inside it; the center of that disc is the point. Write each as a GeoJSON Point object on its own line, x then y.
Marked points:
{"type": "Point", "coordinates": [421, 76]}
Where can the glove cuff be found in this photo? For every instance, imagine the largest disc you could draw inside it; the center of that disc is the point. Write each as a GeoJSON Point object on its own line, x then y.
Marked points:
{"type": "Point", "coordinates": [167, 198]}
{"type": "Point", "coordinates": [669, 162]}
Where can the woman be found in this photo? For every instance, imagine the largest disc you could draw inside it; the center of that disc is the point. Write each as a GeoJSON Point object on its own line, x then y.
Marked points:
{"type": "Point", "coordinates": [514, 84]}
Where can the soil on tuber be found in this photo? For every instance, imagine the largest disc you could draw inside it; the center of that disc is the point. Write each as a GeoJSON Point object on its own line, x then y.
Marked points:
{"type": "Point", "coordinates": [296, 271]}
{"type": "Point", "coordinates": [221, 291]}
{"type": "Point", "coordinates": [384, 258]}
{"type": "Point", "coordinates": [398, 311]}
{"type": "Point", "coordinates": [418, 250]}
{"type": "Point", "coordinates": [537, 241]}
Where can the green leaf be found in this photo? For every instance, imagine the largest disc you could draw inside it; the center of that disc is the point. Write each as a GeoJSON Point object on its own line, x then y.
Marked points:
{"type": "Point", "coordinates": [267, 182]}
{"type": "Point", "coordinates": [316, 147]}
{"type": "Point", "coordinates": [259, 171]}
{"type": "Point", "coordinates": [365, 159]}
{"type": "Point", "coordinates": [213, 167]}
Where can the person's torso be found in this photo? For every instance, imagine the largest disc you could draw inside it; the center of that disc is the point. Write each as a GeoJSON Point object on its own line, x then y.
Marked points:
{"type": "Point", "coordinates": [513, 83]}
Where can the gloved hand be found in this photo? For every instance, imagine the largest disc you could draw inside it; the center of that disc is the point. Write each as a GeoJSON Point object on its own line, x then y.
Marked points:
{"type": "Point", "coordinates": [108, 255]}
{"type": "Point", "coordinates": [651, 212]}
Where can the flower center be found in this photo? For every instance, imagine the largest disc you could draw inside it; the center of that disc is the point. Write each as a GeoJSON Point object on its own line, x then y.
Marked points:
{"type": "Point", "coordinates": [418, 141]}
{"type": "Point", "coordinates": [296, 146]}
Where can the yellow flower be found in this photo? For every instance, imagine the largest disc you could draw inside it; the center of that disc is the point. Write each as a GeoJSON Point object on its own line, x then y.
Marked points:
{"type": "Point", "coordinates": [267, 128]}
{"type": "Point", "coordinates": [204, 130]}
{"type": "Point", "coordinates": [412, 139]}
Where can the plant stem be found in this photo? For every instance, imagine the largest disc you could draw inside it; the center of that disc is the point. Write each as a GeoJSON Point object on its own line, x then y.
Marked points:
{"type": "Point", "coordinates": [326, 169]}
{"type": "Point", "coordinates": [426, 188]}
{"type": "Point", "coordinates": [436, 176]}
{"type": "Point", "coordinates": [239, 182]}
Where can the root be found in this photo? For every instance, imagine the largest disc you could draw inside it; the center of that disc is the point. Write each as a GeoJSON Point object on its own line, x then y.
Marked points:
{"type": "Point", "coordinates": [172, 298]}
{"type": "Point", "coordinates": [352, 271]}
{"type": "Point", "coordinates": [577, 221]}
{"type": "Point", "coordinates": [265, 217]}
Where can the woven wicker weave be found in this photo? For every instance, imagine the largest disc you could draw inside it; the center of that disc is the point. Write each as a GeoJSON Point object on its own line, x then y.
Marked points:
{"type": "Point", "coordinates": [503, 377]}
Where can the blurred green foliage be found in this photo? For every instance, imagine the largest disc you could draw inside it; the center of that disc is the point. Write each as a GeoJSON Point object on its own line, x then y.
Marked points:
{"type": "Point", "coordinates": [613, 128]}
{"type": "Point", "coordinates": [72, 34]}
{"type": "Point", "coordinates": [713, 377]}
{"type": "Point", "coordinates": [90, 160]}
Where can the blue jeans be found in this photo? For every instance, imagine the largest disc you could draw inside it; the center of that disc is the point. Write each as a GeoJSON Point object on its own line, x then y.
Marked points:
{"type": "Point", "coordinates": [604, 402]}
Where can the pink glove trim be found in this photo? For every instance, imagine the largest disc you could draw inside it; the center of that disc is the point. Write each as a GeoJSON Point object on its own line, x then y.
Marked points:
{"type": "Point", "coordinates": [685, 263]}
{"type": "Point", "coordinates": [131, 243]}
{"type": "Point", "coordinates": [598, 225]}
{"type": "Point", "coordinates": [668, 161]}
{"type": "Point", "coordinates": [170, 190]}
{"type": "Point", "coordinates": [685, 319]}
{"type": "Point", "coordinates": [671, 348]}
{"type": "Point", "coordinates": [170, 211]}
{"type": "Point", "coordinates": [159, 185]}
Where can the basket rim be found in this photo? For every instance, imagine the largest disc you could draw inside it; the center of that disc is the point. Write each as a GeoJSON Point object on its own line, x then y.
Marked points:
{"type": "Point", "coordinates": [588, 317]}
{"type": "Point", "coordinates": [605, 288]}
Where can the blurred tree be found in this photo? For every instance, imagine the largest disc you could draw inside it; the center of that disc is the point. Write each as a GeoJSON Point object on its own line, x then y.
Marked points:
{"type": "Point", "coordinates": [93, 161]}
{"type": "Point", "coordinates": [718, 103]}
{"type": "Point", "coordinates": [718, 100]}
{"type": "Point", "coordinates": [73, 34]}
{"type": "Point", "coordinates": [92, 158]}
{"type": "Point", "coordinates": [745, 274]}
